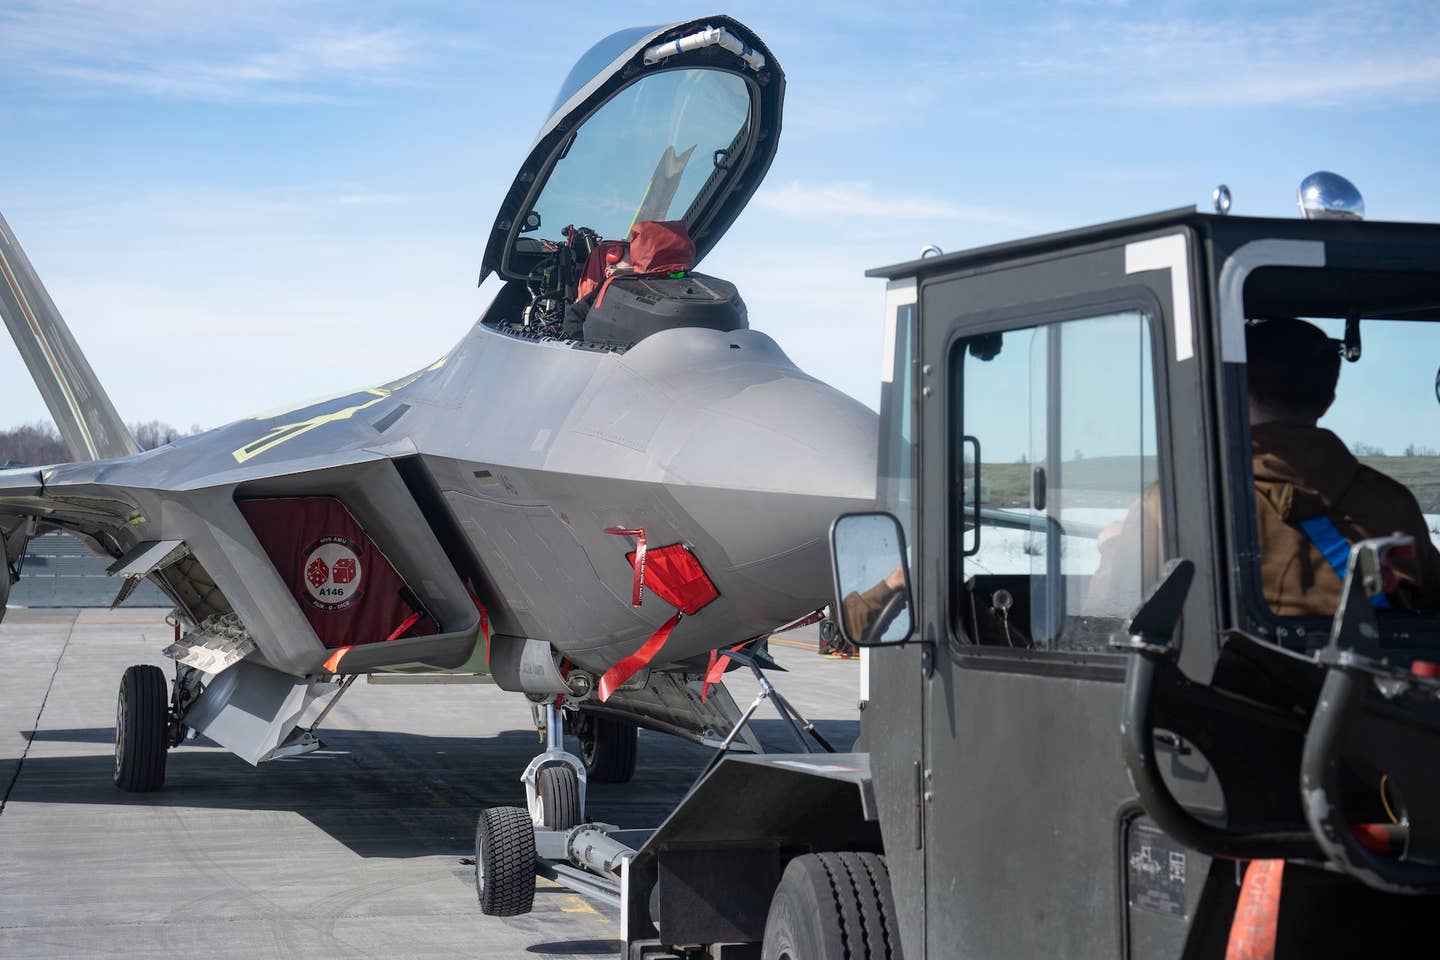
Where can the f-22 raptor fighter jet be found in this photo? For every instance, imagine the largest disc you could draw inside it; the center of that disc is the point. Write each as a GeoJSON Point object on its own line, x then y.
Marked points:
{"type": "Point", "coordinates": [607, 480]}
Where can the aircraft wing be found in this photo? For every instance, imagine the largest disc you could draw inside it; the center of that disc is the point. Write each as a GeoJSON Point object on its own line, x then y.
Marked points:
{"type": "Point", "coordinates": [20, 482]}
{"type": "Point", "coordinates": [27, 508]}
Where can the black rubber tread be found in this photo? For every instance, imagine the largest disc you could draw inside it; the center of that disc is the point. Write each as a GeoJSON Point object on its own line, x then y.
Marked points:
{"type": "Point", "coordinates": [142, 720]}
{"type": "Point", "coordinates": [608, 748]}
{"type": "Point", "coordinates": [504, 861]}
{"type": "Point", "coordinates": [878, 873]}
{"type": "Point", "coordinates": [559, 791]}
{"type": "Point", "coordinates": [833, 905]}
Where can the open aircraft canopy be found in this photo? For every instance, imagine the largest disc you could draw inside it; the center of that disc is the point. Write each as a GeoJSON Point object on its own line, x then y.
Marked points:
{"type": "Point", "coordinates": [653, 123]}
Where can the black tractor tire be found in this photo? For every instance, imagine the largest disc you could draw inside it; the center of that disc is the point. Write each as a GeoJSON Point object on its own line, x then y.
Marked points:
{"type": "Point", "coordinates": [142, 729]}
{"type": "Point", "coordinates": [505, 862]}
{"type": "Point", "coordinates": [559, 790]}
{"type": "Point", "coordinates": [833, 906]}
{"type": "Point", "coordinates": [608, 749]}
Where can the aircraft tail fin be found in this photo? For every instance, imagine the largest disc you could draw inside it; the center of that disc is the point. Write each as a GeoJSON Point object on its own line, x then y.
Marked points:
{"type": "Point", "coordinates": [87, 420]}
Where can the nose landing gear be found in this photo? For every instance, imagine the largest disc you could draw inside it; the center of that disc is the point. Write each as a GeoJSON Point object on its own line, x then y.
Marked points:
{"type": "Point", "coordinates": [555, 780]}
{"type": "Point", "coordinates": [505, 836]}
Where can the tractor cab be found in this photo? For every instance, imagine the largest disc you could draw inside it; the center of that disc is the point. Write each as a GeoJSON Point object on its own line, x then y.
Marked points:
{"type": "Point", "coordinates": [1167, 644]}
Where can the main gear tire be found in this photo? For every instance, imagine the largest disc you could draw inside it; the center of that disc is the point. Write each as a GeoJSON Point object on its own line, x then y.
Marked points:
{"type": "Point", "coordinates": [505, 861]}
{"type": "Point", "coordinates": [558, 789]}
{"type": "Point", "coordinates": [833, 906]}
{"type": "Point", "coordinates": [142, 735]}
{"type": "Point", "coordinates": [608, 749]}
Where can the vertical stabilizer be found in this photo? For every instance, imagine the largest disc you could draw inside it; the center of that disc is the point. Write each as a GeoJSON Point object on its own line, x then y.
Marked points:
{"type": "Point", "coordinates": [86, 418]}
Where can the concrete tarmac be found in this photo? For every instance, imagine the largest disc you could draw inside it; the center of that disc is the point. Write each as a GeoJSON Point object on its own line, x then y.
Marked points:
{"type": "Point", "coordinates": [360, 850]}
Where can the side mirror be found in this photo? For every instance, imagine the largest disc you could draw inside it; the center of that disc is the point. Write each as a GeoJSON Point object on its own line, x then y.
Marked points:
{"type": "Point", "coordinates": [872, 584]}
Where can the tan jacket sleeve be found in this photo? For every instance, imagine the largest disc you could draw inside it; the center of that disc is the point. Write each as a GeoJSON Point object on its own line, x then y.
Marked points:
{"type": "Point", "coordinates": [862, 608]}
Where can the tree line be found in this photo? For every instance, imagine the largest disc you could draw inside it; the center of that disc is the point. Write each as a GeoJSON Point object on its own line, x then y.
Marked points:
{"type": "Point", "coordinates": [39, 443]}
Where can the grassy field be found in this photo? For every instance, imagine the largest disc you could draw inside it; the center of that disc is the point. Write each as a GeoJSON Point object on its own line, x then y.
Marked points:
{"type": "Point", "coordinates": [1420, 474]}
{"type": "Point", "coordinates": [1114, 481]}
{"type": "Point", "coordinates": [1091, 482]}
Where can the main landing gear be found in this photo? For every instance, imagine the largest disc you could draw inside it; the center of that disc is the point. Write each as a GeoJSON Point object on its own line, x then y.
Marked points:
{"type": "Point", "coordinates": [142, 721]}
{"type": "Point", "coordinates": [505, 836]}
{"type": "Point", "coordinates": [148, 723]}
{"type": "Point", "coordinates": [607, 747]}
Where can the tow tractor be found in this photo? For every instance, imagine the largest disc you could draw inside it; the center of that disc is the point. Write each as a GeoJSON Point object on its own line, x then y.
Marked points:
{"type": "Point", "coordinates": [1086, 733]}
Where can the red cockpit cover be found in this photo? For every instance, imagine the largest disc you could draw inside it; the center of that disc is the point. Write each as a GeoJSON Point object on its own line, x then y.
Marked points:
{"type": "Point", "coordinates": [661, 246]}
{"type": "Point", "coordinates": [349, 591]}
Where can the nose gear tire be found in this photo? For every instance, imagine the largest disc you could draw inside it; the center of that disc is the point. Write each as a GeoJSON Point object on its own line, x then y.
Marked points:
{"type": "Point", "coordinates": [505, 861]}
{"type": "Point", "coordinates": [142, 721]}
{"type": "Point", "coordinates": [559, 792]}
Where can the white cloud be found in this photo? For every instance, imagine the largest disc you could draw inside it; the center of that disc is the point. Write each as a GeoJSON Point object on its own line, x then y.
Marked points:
{"type": "Point", "coordinates": [1329, 54]}
{"type": "Point", "coordinates": [214, 52]}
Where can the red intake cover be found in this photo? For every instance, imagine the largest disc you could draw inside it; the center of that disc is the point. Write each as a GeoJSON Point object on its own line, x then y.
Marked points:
{"type": "Point", "coordinates": [350, 593]}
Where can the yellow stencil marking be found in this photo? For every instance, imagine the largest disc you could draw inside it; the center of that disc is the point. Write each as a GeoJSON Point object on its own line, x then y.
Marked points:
{"type": "Point", "coordinates": [575, 904]}
{"type": "Point", "coordinates": [290, 431]}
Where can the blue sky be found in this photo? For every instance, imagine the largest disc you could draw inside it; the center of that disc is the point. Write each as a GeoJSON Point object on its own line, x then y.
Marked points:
{"type": "Point", "coordinates": [240, 205]}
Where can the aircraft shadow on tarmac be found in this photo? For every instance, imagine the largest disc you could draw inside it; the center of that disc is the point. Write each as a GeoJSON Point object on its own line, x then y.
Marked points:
{"type": "Point", "coordinates": [382, 794]}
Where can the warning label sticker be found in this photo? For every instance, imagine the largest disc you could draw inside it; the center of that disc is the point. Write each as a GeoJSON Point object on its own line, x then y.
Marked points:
{"type": "Point", "coordinates": [1156, 870]}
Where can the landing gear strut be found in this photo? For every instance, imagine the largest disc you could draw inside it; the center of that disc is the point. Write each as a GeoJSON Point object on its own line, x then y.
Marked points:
{"type": "Point", "coordinates": [555, 780]}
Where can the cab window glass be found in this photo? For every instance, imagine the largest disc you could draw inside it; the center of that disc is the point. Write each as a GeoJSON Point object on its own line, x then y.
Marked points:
{"type": "Point", "coordinates": [1058, 533]}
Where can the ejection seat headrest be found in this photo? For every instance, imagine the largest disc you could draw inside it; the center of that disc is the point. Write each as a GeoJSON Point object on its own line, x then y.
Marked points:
{"type": "Point", "coordinates": [661, 246]}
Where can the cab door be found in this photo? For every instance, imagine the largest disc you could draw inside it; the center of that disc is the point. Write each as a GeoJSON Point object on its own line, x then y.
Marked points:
{"type": "Point", "coordinates": [1050, 386]}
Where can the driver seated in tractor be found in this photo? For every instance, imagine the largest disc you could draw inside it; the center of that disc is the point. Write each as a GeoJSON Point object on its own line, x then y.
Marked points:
{"type": "Point", "coordinates": [1313, 498]}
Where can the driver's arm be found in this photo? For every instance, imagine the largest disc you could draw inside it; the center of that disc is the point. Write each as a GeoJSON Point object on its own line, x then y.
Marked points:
{"type": "Point", "coordinates": [862, 608]}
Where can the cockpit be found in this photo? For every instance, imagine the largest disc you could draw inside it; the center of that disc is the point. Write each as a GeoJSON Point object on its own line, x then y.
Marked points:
{"type": "Point", "coordinates": [629, 184]}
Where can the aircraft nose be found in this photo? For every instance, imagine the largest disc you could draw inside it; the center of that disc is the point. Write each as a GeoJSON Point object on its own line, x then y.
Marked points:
{"type": "Point", "coordinates": [790, 455]}
{"type": "Point", "coordinates": [791, 434]}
